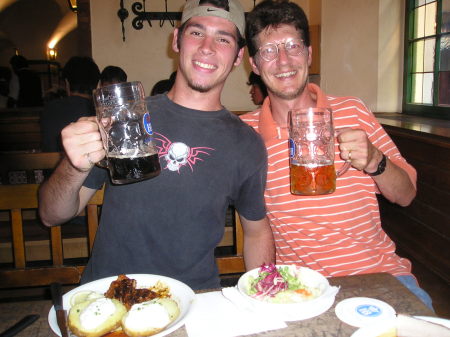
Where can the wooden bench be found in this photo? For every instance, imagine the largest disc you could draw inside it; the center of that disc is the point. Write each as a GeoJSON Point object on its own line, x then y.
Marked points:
{"type": "Point", "coordinates": [20, 129]}
{"type": "Point", "coordinates": [29, 163]}
{"type": "Point", "coordinates": [422, 230]}
{"type": "Point", "coordinates": [21, 198]}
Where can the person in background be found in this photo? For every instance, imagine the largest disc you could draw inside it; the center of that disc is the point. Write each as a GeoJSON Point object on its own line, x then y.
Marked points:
{"type": "Point", "coordinates": [112, 75]}
{"type": "Point", "coordinates": [29, 83]}
{"type": "Point", "coordinates": [258, 90]}
{"type": "Point", "coordinates": [5, 78]}
{"type": "Point", "coordinates": [163, 86]}
{"type": "Point", "coordinates": [337, 234]}
{"type": "Point", "coordinates": [81, 75]}
{"type": "Point", "coordinates": [171, 224]}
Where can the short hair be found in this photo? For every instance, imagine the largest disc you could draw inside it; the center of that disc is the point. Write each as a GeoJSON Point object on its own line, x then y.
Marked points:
{"type": "Point", "coordinates": [161, 87]}
{"type": "Point", "coordinates": [254, 79]}
{"type": "Point", "coordinates": [272, 13]}
{"type": "Point", "coordinates": [113, 74]}
{"type": "Point", "coordinates": [219, 4]}
{"type": "Point", "coordinates": [82, 73]}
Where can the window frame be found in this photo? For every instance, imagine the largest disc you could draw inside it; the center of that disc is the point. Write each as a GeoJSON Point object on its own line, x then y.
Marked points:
{"type": "Point", "coordinates": [425, 110]}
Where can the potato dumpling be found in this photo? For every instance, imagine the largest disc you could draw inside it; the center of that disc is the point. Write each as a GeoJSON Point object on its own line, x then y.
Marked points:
{"type": "Point", "coordinates": [96, 317]}
{"type": "Point", "coordinates": [149, 318]}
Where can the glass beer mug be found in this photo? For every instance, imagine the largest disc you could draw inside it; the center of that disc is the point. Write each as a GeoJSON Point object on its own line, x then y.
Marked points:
{"type": "Point", "coordinates": [311, 152]}
{"type": "Point", "coordinates": [126, 132]}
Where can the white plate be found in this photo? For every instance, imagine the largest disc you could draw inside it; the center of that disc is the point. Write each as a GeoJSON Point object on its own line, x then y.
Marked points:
{"type": "Point", "coordinates": [180, 292]}
{"type": "Point", "coordinates": [437, 320]}
{"type": "Point", "coordinates": [294, 311]}
{"type": "Point", "coordinates": [376, 330]}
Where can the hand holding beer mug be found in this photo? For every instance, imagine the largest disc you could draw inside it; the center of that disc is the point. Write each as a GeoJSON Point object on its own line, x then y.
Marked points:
{"type": "Point", "coordinates": [311, 146]}
{"type": "Point", "coordinates": [126, 131]}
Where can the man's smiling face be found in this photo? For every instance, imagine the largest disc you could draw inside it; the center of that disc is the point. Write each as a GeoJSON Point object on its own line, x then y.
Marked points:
{"type": "Point", "coordinates": [286, 76]}
{"type": "Point", "coordinates": [208, 52]}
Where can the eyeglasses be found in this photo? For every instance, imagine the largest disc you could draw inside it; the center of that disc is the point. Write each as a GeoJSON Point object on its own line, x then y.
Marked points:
{"type": "Point", "coordinates": [270, 51]}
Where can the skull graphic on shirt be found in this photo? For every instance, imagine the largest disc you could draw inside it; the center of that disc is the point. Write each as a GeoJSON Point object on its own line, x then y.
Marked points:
{"type": "Point", "coordinates": [178, 154]}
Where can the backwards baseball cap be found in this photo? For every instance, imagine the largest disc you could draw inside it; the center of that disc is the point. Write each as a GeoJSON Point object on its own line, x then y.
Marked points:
{"type": "Point", "coordinates": [235, 15]}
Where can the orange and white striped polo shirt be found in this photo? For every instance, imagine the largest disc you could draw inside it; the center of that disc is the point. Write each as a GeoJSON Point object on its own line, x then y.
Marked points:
{"type": "Point", "coordinates": [336, 234]}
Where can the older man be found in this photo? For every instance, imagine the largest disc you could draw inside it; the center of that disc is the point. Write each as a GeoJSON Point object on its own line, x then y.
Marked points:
{"type": "Point", "coordinates": [340, 233]}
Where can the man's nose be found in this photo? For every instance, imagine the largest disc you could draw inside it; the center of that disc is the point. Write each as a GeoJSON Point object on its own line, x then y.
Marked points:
{"type": "Point", "coordinates": [283, 56]}
{"type": "Point", "coordinates": [207, 46]}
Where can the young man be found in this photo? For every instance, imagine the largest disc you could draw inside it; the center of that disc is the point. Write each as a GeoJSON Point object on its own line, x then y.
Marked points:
{"type": "Point", "coordinates": [340, 233]}
{"type": "Point", "coordinates": [170, 224]}
{"type": "Point", "coordinates": [81, 75]}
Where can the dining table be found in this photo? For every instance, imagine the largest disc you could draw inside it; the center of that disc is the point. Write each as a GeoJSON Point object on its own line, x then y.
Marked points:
{"type": "Point", "coordinates": [381, 286]}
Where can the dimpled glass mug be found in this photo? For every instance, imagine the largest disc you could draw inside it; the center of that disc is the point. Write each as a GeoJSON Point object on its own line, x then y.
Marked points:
{"type": "Point", "coordinates": [126, 132]}
{"type": "Point", "coordinates": [311, 152]}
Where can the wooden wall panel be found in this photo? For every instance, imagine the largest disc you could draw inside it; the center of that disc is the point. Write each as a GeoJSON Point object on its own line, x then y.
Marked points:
{"type": "Point", "coordinates": [422, 230]}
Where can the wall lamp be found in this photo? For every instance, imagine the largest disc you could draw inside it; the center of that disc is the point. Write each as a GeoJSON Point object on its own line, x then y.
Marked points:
{"type": "Point", "coordinates": [52, 53]}
{"type": "Point", "coordinates": [73, 5]}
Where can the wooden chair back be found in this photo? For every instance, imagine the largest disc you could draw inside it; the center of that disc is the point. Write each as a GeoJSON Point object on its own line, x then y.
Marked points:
{"type": "Point", "coordinates": [234, 264]}
{"type": "Point", "coordinates": [20, 129]}
{"type": "Point", "coordinates": [15, 199]}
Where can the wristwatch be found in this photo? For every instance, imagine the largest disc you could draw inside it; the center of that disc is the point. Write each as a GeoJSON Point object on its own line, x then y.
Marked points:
{"type": "Point", "coordinates": [380, 169]}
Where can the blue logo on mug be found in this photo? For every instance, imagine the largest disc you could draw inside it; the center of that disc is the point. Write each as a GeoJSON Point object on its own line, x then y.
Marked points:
{"type": "Point", "coordinates": [147, 124]}
{"type": "Point", "coordinates": [291, 148]}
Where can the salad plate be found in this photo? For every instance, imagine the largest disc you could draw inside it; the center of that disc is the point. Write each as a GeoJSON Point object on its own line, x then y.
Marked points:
{"type": "Point", "coordinates": [302, 293]}
{"type": "Point", "coordinates": [179, 291]}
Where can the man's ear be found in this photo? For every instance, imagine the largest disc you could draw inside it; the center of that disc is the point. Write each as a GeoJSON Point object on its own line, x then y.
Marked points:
{"type": "Point", "coordinates": [254, 67]}
{"type": "Point", "coordinates": [239, 57]}
{"type": "Point", "coordinates": [174, 41]}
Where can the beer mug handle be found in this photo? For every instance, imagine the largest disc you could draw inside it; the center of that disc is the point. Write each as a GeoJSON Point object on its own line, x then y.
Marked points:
{"type": "Point", "coordinates": [343, 169]}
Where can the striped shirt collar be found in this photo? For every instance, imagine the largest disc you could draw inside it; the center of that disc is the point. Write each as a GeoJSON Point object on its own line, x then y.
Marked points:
{"type": "Point", "coordinates": [269, 129]}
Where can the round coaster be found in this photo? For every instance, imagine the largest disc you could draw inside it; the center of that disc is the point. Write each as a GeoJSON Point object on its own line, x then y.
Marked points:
{"type": "Point", "coordinates": [362, 311]}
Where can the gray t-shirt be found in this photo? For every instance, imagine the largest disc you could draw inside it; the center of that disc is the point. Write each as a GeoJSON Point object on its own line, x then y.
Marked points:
{"type": "Point", "coordinates": [171, 224]}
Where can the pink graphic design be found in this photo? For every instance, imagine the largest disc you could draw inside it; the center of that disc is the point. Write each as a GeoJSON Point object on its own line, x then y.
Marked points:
{"type": "Point", "coordinates": [178, 154]}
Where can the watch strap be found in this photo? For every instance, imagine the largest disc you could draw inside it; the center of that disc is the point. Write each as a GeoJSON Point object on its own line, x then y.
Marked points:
{"type": "Point", "coordinates": [381, 167]}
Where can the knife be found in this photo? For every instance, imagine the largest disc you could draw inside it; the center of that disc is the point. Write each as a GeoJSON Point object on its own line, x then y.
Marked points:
{"type": "Point", "coordinates": [19, 326]}
{"type": "Point", "coordinates": [59, 309]}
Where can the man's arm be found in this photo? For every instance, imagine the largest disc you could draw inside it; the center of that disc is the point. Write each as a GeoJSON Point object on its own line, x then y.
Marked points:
{"type": "Point", "coordinates": [259, 246]}
{"type": "Point", "coordinates": [62, 196]}
{"type": "Point", "coordinates": [394, 183]}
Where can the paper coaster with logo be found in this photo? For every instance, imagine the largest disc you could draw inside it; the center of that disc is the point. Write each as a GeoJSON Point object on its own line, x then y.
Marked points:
{"type": "Point", "coordinates": [362, 311]}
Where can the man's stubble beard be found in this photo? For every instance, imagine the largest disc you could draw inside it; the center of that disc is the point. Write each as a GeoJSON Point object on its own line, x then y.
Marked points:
{"type": "Point", "coordinates": [198, 87]}
{"type": "Point", "coordinates": [288, 95]}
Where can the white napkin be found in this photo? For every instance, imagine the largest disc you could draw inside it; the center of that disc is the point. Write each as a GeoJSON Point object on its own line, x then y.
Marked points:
{"type": "Point", "coordinates": [215, 315]}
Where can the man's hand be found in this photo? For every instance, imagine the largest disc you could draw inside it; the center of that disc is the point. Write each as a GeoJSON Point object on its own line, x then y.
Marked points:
{"type": "Point", "coordinates": [394, 183]}
{"type": "Point", "coordinates": [356, 148]}
{"type": "Point", "coordinates": [83, 144]}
